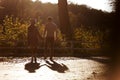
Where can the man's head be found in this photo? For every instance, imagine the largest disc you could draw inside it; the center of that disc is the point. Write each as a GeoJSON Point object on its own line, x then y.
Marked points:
{"type": "Point", "coordinates": [49, 19]}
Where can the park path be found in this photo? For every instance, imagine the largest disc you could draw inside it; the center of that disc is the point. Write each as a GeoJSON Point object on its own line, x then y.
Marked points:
{"type": "Point", "coordinates": [77, 69]}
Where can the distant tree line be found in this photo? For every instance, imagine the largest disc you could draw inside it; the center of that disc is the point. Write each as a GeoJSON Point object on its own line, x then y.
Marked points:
{"type": "Point", "coordinates": [79, 14]}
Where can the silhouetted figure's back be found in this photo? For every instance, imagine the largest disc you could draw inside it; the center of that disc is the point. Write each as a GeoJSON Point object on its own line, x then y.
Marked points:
{"type": "Point", "coordinates": [50, 33]}
{"type": "Point", "coordinates": [34, 39]}
{"type": "Point", "coordinates": [51, 27]}
{"type": "Point", "coordinates": [33, 35]}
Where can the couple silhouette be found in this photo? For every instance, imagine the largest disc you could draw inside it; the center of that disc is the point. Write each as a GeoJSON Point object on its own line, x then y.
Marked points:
{"type": "Point", "coordinates": [35, 39]}
{"type": "Point", "coordinates": [49, 38]}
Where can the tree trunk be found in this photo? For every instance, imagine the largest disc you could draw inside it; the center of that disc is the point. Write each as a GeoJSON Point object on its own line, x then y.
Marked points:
{"type": "Point", "coordinates": [115, 37]}
{"type": "Point", "coordinates": [64, 19]}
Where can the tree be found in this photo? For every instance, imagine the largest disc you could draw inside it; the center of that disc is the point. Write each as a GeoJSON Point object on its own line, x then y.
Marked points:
{"type": "Point", "coordinates": [64, 19]}
{"type": "Point", "coordinates": [115, 38]}
{"type": "Point", "coordinates": [17, 8]}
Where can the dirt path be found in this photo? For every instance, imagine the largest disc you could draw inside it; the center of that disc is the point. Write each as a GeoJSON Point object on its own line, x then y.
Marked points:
{"type": "Point", "coordinates": [67, 69]}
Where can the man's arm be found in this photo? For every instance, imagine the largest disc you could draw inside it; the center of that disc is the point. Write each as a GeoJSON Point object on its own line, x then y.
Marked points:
{"type": "Point", "coordinates": [28, 36]}
{"type": "Point", "coordinates": [45, 32]}
{"type": "Point", "coordinates": [56, 32]}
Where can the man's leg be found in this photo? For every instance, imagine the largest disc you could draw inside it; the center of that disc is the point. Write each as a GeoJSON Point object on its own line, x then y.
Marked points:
{"type": "Point", "coordinates": [35, 59]}
{"type": "Point", "coordinates": [35, 54]}
{"type": "Point", "coordinates": [51, 50]}
{"type": "Point", "coordinates": [32, 59]}
{"type": "Point", "coordinates": [32, 55]}
{"type": "Point", "coordinates": [45, 50]}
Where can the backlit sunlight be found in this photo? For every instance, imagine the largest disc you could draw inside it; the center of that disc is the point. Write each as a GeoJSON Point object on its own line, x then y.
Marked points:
{"type": "Point", "coordinates": [97, 4]}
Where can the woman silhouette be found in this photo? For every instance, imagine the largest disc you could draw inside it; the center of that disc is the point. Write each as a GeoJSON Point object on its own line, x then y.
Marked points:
{"type": "Point", "coordinates": [34, 38]}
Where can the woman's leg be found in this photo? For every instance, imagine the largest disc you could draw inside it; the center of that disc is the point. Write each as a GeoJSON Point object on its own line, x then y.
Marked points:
{"type": "Point", "coordinates": [35, 55]}
{"type": "Point", "coordinates": [31, 52]}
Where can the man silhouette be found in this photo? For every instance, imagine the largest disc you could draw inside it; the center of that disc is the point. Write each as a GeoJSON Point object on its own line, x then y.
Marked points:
{"type": "Point", "coordinates": [50, 34]}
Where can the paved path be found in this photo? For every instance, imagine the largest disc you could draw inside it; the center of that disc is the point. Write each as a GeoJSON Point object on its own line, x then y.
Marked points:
{"type": "Point", "coordinates": [68, 68]}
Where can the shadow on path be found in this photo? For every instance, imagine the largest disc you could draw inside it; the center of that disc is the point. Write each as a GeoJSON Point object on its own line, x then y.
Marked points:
{"type": "Point", "coordinates": [59, 67]}
{"type": "Point", "coordinates": [31, 67]}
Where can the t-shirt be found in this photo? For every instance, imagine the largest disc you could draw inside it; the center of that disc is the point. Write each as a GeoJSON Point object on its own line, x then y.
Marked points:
{"type": "Point", "coordinates": [50, 27]}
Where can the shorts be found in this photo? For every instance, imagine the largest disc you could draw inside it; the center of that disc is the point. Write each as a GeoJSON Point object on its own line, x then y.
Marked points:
{"type": "Point", "coordinates": [49, 41]}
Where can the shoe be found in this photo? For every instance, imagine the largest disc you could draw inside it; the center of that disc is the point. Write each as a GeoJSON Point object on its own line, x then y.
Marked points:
{"type": "Point", "coordinates": [45, 58]}
{"type": "Point", "coordinates": [31, 62]}
{"type": "Point", "coordinates": [35, 61]}
{"type": "Point", "coordinates": [51, 58]}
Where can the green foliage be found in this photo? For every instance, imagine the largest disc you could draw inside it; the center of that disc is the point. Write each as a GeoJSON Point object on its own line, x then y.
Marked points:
{"type": "Point", "coordinates": [85, 37]}
{"type": "Point", "coordinates": [15, 31]}
{"type": "Point", "coordinates": [16, 34]}
{"type": "Point", "coordinates": [90, 38]}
